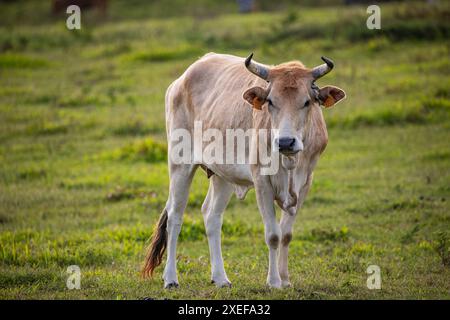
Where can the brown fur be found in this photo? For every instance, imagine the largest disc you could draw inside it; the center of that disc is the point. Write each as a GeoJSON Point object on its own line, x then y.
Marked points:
{"type": "Point", "coordinates": [290, 74]}
{"type": "Point", "coordinates": [273, 241]}
{"type": "Point", "coordinates": [286, 239]}
{"type": "Point", "coordinates": [157, 246]}
{"type": "Point", "coordinates": [257, 103]}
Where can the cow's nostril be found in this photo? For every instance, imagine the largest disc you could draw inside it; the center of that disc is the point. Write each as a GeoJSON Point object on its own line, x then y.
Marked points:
{"type": "Point", "coordinates": [286, 143]}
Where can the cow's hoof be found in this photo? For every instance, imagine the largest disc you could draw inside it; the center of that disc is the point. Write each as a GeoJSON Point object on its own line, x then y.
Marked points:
{"type": "Point", "coordinates": [286, 284]}
{"type": "Point", "coordinates": [274, 284]}
{"type": "Point", "coordinates": [222, 283]}
{"type": "Point", "coordinates": [171, 285]}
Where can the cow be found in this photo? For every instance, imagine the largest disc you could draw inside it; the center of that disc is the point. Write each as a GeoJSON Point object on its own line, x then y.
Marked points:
{"type": "Point", "coordinates": [229, 92]}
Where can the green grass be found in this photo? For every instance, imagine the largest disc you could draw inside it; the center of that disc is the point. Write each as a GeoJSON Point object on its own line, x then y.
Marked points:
{"type": "Point", "coordinates": [83, 173]}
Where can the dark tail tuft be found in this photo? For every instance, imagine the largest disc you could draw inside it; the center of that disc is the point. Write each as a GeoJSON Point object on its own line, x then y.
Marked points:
{"type": "Point", "coordinates": [157, 246]}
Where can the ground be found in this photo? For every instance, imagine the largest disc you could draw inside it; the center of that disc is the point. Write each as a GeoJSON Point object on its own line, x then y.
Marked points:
{"type": "Point", "coordinates": [83, 173]}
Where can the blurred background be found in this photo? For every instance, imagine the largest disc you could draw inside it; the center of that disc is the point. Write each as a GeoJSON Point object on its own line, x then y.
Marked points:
{"type": "Point", "coordinates": [83, 172]}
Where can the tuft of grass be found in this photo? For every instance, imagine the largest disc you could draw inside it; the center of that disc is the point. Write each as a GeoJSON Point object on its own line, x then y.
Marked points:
{"type": "Point", "coordinates": [122, 193]}
{"type": "Point", "coordinates": [31, 174]}
{"type": "Point", "coordinates": [442, 247]}
{"type": "Point", "coordinates": [18, 61]}
{"type": "Point", "coordinates": [4, 218]}
{"type": "Point", "coordinates": [408, 237]}
{"type": "Point", "coordinates": [440, 155]}
{"type": "Point", "coordinates": [431, 110]}
{"type": "Point", "coordinates": [327, 235]}
{"type": "Point", "coordinates": [135, 128]}
{"type": "Point", "coordinates": [81, 100]}
{"type": "Point", "coordinates": [443, 93]}
{"type": "Point", "coordinates": [362, 249]}
{"type": "Point", "coordinates": [163, 54]}
{"type": "Point", "coordinates": [49, 128]}
{"type": "Point", "coordinates": [147, 150]}
{"type": "Point", "coordinates": [378, 44]}
{"type": "Point", "coordinates": [384, 207]}
{"type": "Point", "coordinates": [437, 105]}
{"type": "Point", "coordinates": [194, 230]}
{"type": "Point", "coordinates": [30, 278]}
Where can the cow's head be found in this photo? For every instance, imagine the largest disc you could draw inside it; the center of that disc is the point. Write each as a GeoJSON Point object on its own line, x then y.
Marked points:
{"type": "Point", "coordinates": [290, 96]}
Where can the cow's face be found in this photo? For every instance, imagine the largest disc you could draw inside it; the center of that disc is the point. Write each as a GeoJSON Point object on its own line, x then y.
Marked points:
{"type": "Point", "coordinates": [290, 96]}
{"type": "Point", "coordinates": [288, 107]}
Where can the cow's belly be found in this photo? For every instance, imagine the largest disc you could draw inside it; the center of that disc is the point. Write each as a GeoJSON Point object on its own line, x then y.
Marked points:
{"type": "Point", "coordinates": [238, 174]}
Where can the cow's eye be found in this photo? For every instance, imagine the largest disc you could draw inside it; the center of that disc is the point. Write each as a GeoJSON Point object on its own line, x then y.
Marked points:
{"type": "Point", "coordinates": [307, 103]}
{"type": "Point", "coordinates": [271, 105]}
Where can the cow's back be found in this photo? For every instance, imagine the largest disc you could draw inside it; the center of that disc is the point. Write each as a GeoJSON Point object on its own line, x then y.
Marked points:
{"type": "Point", "coordinates": [210, 91]}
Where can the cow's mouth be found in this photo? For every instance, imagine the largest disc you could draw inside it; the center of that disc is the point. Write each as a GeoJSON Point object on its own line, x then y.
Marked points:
{"type": "Point", "coordinates": [289, 153]}
{"type": "Point", "coordinates": [289, 162]}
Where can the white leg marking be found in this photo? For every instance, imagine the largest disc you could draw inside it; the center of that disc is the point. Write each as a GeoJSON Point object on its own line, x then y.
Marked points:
{"type": "Point", "coordinates": [180, 181]}
{"type": "Point", "coordinates": [219, 194]}
{"type": "Point", "coordinates": [286, 224]}
{"type": "Point", "coordinates": [265, 199]}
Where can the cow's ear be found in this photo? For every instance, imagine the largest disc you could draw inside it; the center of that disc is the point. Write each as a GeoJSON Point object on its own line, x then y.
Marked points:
{"type": "Point", "coordinates": [256, 96]}
{"type": "Point", "coordinates": [330, 95]}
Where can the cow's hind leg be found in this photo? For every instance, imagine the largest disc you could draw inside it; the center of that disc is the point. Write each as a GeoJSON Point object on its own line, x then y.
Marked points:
{"type": "Point", "coordinates": [219, 194]}
{"type": "Point", "coordinates": [180, 181]}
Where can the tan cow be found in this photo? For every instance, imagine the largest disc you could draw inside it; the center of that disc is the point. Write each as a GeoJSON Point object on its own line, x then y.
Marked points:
{"type": "Point", "coordinates": [219, 92]}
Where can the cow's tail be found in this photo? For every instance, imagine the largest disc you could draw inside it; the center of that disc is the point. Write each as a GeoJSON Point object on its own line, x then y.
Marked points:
{"type": "Point", "coordinates": [157, 246]}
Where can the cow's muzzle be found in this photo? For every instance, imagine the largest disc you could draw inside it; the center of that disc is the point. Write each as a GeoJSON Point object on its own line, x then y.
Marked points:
{"type": "Point", "coordinates": [288, 145]}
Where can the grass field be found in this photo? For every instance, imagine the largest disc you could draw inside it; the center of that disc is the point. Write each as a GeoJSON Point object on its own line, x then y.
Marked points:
{"type": "Point", "coordinates": [83, 173]}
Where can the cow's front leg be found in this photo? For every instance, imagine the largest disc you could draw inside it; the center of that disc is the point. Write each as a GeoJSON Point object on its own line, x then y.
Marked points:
{"type": "Point", "coordinates": [265, 199]}
{"type": "Point", "coordinates": [286, 224]}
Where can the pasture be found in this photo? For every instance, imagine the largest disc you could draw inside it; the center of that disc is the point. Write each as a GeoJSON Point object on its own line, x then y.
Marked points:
{"type": "Point", "coordinates": [83, 170]}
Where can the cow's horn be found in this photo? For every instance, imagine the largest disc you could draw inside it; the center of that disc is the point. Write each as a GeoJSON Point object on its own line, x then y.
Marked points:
{"type": "Point", "coordinates": [256, 68]}
{"type": "Point", "coordinates": [323, 69]}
